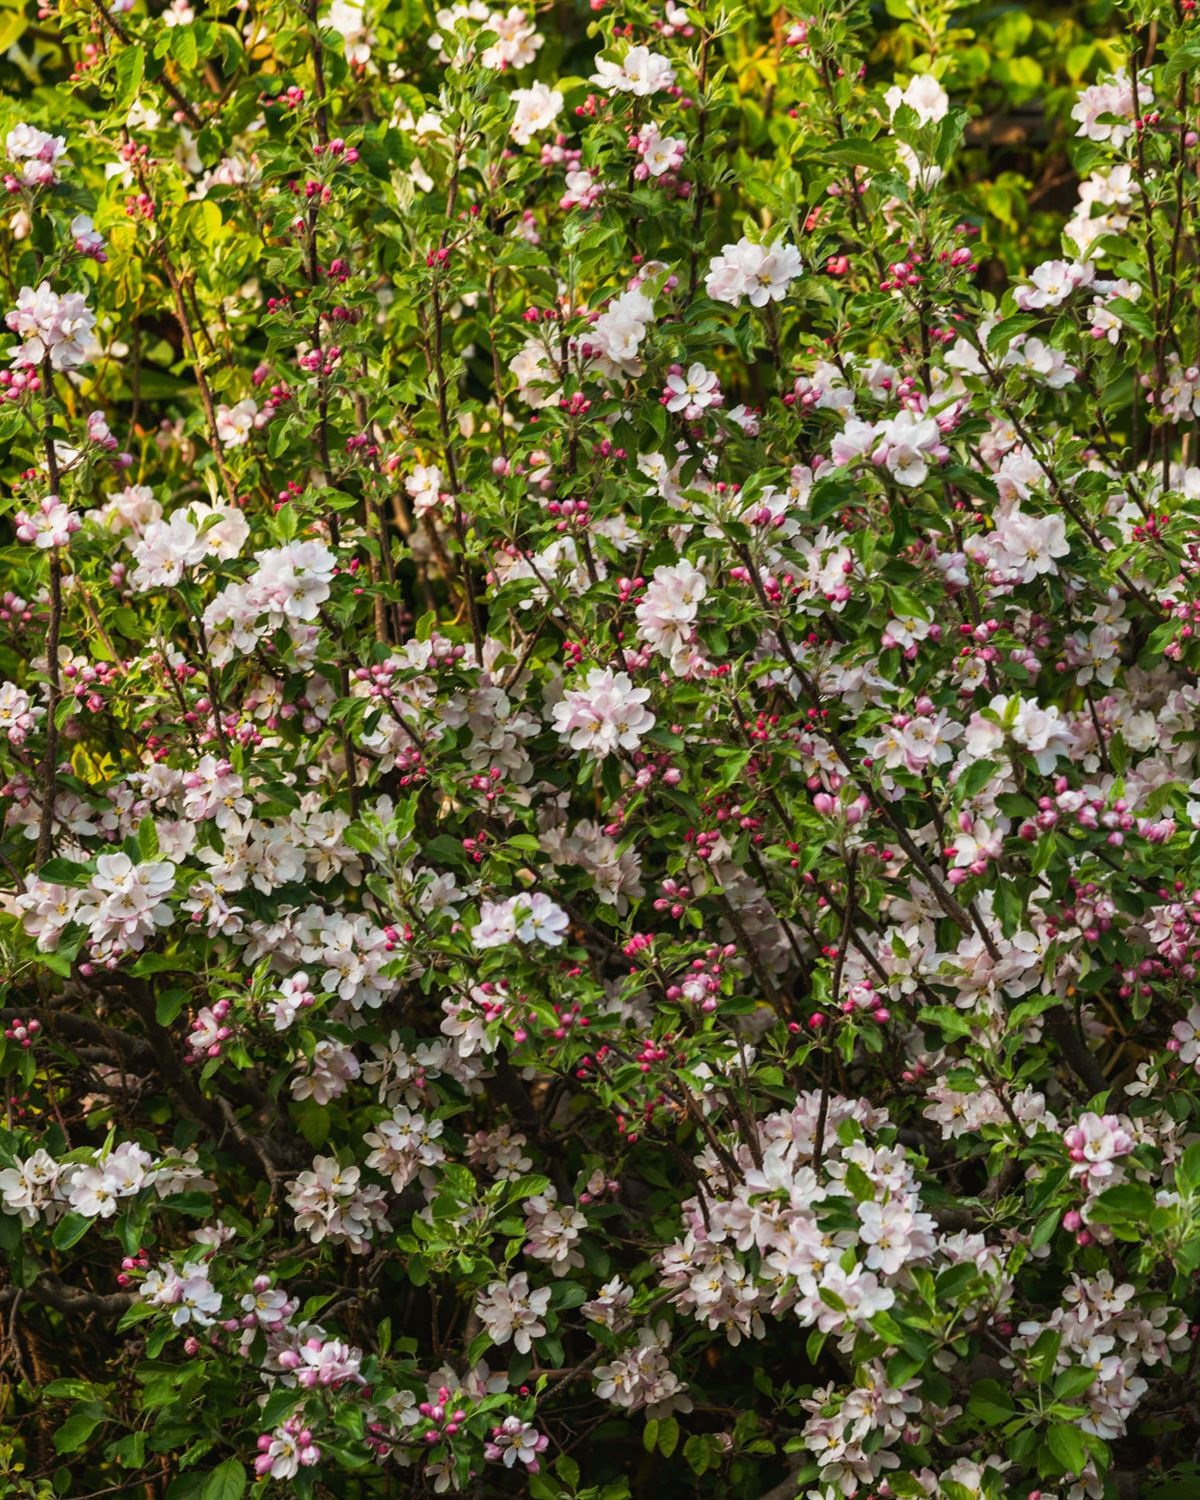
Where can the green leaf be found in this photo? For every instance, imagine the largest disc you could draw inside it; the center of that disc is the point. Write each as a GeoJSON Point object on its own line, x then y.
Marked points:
{"type": "Point", "coordinates": [1067, 1447]}
{"type": "Point", "coordinates": [168, 1005]}
{"type": "Point", "coordinates": [1007, 329]}
{"type": "Point", "coordinates": [855, 152]}
{"type": "Point", "coordinates": [186, 1487]}
{"type": "Point", "coordinates": [1074, 1382]}
{"type": "Point", "coordinates": [147, 838]}
{"type": "Point", "coordinates": [907, 605]}
{"type": "Point", "coordinates": [184, 47]}
{"type": "Point", "coordinates": [1044, 1230]}
{"type": "Point", "coordinates": [701, 1452]}
{"type": "Point", "coordinates": [976, 777]}
{"type": "Point", "coordinates": [131, 1227]}
{"type": "Point", "coordinates": [1187, 1171]}
{"type": "Point", "coordinates": [131, 68]}
{"type": "Point", "coordinates": [313, 1120]}
{"type": "Point", "coordinates": [1020, 1014]}
{"type": "Point", "coordinates": [952, 1023]}
{"type": "Point", "coordinates": [130, 1451]}
{"type": "Point", "coordinates": [279, 1404]}
{"type": "Point", "coordinates": [1130, 1202]}
{"type": "Point", "coordinates": [79, 1426]}
{"type": "Point", "coordinates": [140, 1312]}
{"type": "Point", "coordinates": [226, 1483]}
{"type": "Point", "coordinates": [70, 1230]}
{"type": "Point", "coordinates": [1043, 1355]}
{"type": "Point", "coordinates": [954, 1280]}
{"type": "Point", "coordinates": [904, 1366]}
{"type": "Point", "coordinates": [12, 27]}
{"type": "Point", "coordinates": [950, 134]}
{"type": "Point", "coordinates": [1183, 59]}
{"type": "Point", "coordinates": [65, 872]}
{"type": "Point", "coordinates": [75, 1389]}
{"type": "Point", "coordinates": [990, 1403]}
{"type": "Point", "coordinates": [1131, 315]}
{"type": "Point", "coordinates": [158, 963]}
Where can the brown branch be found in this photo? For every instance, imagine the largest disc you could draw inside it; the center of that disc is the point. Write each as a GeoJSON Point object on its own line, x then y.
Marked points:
{"type": "Point", "coordinates": [206, 400]}
{"type": "Point", "coordinates": [698, 195]}
{"type": "Point", "coordinates": [50, 762]}
{"type": "Point", "coordinates": [1074, 1050]}
{"type": "Point", "coordinates": [51, 1292]}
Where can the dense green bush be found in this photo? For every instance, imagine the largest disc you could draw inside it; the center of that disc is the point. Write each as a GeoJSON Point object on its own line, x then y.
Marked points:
{"type": "Point", "coordinates": [598, 722]}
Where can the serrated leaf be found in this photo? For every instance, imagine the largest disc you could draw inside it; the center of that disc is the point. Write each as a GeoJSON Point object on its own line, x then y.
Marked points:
{"type": "Point", "coordinates": [147, 838]}
{"type": "Point", "coordinates": [990, 1403]}
{"type": "Point", "coordinates": [1067, 1446]}
{"type": "Point", "coordinates": [1074, 1382]}
{"type": "Point", "coordinates": [228, 1482]}
{"type": "Point", "coordinates": [977, 776]}
{"type": "Point", "coordinates": [1132, 315]}
{"type": "Point", "coordinates": [131, 68]}
{"type": "Point", "coordinates": [79, 1426]}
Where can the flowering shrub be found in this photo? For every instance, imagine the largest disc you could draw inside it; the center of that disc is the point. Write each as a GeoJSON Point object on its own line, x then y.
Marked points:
{"type": "Point", "coordinates": [599, 687]}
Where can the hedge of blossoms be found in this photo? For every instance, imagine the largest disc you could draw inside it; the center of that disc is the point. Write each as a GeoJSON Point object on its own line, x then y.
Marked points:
{"type": "Point", "coordinates": [600, 775]}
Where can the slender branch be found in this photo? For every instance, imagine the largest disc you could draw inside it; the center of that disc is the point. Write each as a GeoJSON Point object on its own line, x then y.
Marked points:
{"type": "Point", "coordinates": [318, 67]}
{"type": "Point", "coordinates": [180, 102]}
{"type": "Point", "coordinates": [51, 1292]}
{"type": "Point", "coordinates": [698, 192]}
{"type": "Point", "coordinates": [206, 400]}
{"type": "Point", "coordinates": [53, 634]}
{"type": "Point", "coordinates": [1074, 1050]}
